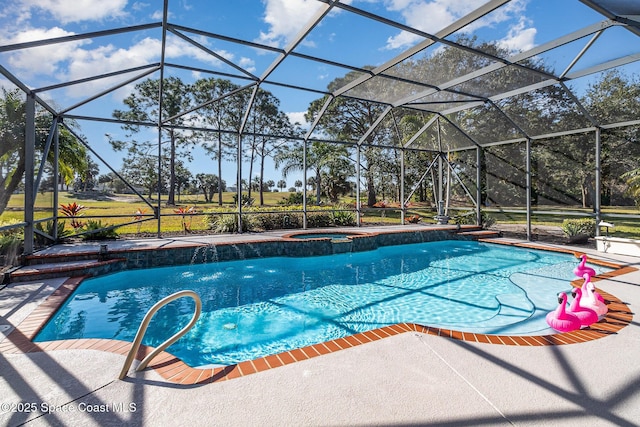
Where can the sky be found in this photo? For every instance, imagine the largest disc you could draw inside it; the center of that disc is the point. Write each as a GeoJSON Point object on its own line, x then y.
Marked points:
{"type": "Point", "coordinates": [343, 37]}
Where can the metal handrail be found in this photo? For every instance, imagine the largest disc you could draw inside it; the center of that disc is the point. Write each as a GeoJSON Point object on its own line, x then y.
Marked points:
{"type": "Point", "coordinates": [145, 323]}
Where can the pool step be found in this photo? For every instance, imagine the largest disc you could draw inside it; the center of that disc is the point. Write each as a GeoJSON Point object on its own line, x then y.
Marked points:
{"type": "Point", "coordinates": [480, 234]}
{"type": "Point", "coordinates": [515, 305]}
{"type": "Point", "coordinates": [74, 268]}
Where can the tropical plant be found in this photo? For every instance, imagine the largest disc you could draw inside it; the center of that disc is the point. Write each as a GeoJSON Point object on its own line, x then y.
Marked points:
{"type": "Point", "coordinates": [246, 199]}
{"type": "Point", "coordinates": [49, 228]}
{"type": "Point", "coordinates": [73, 210]}
{"type": "Point", "coordinates": [413, 219]}
{"type": "Point", "coordinates": [227, 223]}
{"type": "Point", "coordinates": [72, 154]}
{"type": "Point", "coordinates": [292, 199]}
{"type": "Point", "coordinates": [11, 241]}
{"type": "Point", "coordinates": [186, 213]}
{"type": "Point", "coordinates": [327, 161]}
{"type": "Point", "coordinates": [96, 231]}
{"type": "Point", "coordinates": [579, 226]}
{"type": "Point", "coordinates": [138, 216]}
{"type": "Point", "coordinates": [343, 218]}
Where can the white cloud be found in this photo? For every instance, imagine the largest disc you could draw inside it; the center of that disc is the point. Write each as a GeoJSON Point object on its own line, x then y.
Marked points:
{"type": "Point", "coordinates": [285, 19]}
{"type": "Point", "coordinates": [297, 117]}
{"type": "Point", "coordinates": [43, 60]}
{"type": "Point", "coordinates": [248, 64]}
{"type": "Point", "coordinates": [79, 10]}
{"type": "Point", "coordinates": [428, 16]}
{"type": "Point", "coordinates": [520, 38]}
{"type": "Point", "coordinates": [432, 16]}
{"type": "Point", "coordinates": [80, 59]}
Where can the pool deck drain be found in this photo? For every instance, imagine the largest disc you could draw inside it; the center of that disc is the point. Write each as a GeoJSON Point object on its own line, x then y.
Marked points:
{"type": "Point", "coordinates": [174, 370]}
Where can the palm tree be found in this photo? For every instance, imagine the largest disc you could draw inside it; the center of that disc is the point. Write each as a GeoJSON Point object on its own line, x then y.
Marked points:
{"type": "Point", "coordinates": [72, 154]}
{"type": "Point", "coordinates": [321, 157]}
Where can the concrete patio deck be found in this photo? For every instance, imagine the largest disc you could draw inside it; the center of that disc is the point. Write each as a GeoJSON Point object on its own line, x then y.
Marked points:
{"type": "Point", "coordinates": [407, 379]}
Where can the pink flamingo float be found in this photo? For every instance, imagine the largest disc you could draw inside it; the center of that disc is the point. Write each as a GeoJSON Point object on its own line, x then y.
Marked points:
{"type": "Point", "coordinates": [590, 298]}
{"type": "Point", "coordinates": [587, 286]}
{"type": "Point", "coordinates": [586, 315]}
{"type": "Point", "coordinates": [582, 269]}
{"type": "Point", "coordinates": [560, 320]}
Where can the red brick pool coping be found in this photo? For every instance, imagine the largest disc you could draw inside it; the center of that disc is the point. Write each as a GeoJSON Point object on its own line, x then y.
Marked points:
{"type": "Point", "coordinates": [174, 370]}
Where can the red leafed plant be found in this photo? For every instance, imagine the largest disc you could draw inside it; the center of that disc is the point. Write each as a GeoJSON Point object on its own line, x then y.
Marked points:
{"type": "Point", "coordinates": [184, 212]}
{"type": "Point", "coordinates": [413, 219]}
{"type": "Point", "coordinates": [73, 210]}
{"type": "Point", "coordinates": [138, 216]}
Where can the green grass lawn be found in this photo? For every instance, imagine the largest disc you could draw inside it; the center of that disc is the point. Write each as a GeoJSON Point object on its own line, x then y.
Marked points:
{"type": "Point", "coordinates": [121, 209]}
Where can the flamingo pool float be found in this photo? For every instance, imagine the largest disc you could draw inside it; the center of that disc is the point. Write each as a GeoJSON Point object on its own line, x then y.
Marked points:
{"type": "Point", "coordinates": [560, 320]}
{"type": "Point", "coordinates": [591, 300]}
{"type": "Point", "coordinates": [586, 315]}
{"type": "Point", "coordinates": [582, 269]}
{"type": "Point", "coordinates": [587, 286]}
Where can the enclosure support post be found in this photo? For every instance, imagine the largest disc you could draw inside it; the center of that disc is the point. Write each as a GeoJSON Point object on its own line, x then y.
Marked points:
{"type": "Point", "coordinates": [358, 207]}
{"type": "Point", "coordinates": [56, 174]}
{"type": "Point", "coordinates": [239, 182]}
{"type": "Point", "coordinates": [597, 195]}
{"type": "Point", "coordinates": [29, 171]}
{"type": "Point", "coordinates": [528, 175]}
{"type": "Point", "coordinates": [165, 16]}
{"type": "Point", "coordinates": [478, 187]}
{"type": "Point", "coordinates": [440, 174]}
{"type": "Point", "coordinates": [403, 207]}
{"type": "Point", "coordinates": [304, 185]}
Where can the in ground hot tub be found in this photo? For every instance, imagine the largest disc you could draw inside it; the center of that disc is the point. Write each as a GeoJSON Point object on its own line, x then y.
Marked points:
{"type": "Point", "coordinates": [337, 236]}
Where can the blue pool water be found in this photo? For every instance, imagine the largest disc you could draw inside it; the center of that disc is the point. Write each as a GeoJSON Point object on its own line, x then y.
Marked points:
{"type": "Point", "coordinates": [256, 307]}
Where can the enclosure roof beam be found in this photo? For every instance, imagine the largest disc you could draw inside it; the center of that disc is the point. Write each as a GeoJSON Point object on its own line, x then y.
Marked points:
{"type": "Point", "coordinates": [580, 54]}
{"type": "Point", "coordinates": [423, 129]}
{"type": "Point", "coordinates": [605, 66]}
{"type": "Point", "coordinates": [154, 67]}
{"type": "Point", "coordinates": [581, 107]}
{"type": "Point", "coordinates": [111, 89]}
{"type": "Point", "coordinates": [513, 60]}
{"type": "Point", "coordinates": [18, 83]}
{"type": "Point", "coordinates": [75, 37]}
{"type": "Point", "coordinates": [319, 116]}
{"type": "Point", "coordinates": [86, 144]}
{"type": "Point", "coordinates": [212, 53]}
{"type": "Point", "coordinates": [459, 129]}
{"type": "Point", "coordinates": [374, 125]}
{"type": "Point", "coordinates": [430, 39]}
{"type": "Point", "coordinates": [509, 119]}
{"type": "Point", "coordinates": [313, 22]}
{"type": "Point", "coordinates": [632, 25]}
{"type": "Point", "coordinates": [209, 102]}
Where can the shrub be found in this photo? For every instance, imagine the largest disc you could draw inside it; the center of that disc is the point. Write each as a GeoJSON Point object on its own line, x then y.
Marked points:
{"type": "Point", "coordinates": [277, 221]}
{"type": "Point", "coordinates": [468, 218]}
{"type": "Point", "coordinates": [48, 228]}
{"type": "Point", "coordinates": [227, 223]}
{"type": "Point", "coordinates": [11, 243]}
{"type": "Point", "coordinates": [319, 219]}
{"type": "Point", "coordinates": [246, 200]}
{"type": "Point", "coordinates": [343, 218]}
{"type": "Point", "coordinates": [292, 199]}
{"type": "Point", "coordinates": [97, 231]}
{"type": "Point", "coordinates": [579, 226]}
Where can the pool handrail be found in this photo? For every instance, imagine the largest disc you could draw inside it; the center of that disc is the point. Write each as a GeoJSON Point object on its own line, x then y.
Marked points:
{"type": "Point", "coordinates": [142, 329]}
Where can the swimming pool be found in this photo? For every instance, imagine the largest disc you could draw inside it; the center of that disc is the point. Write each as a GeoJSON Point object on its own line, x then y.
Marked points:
{"type": "Point", "coordinates": [256, 307]}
